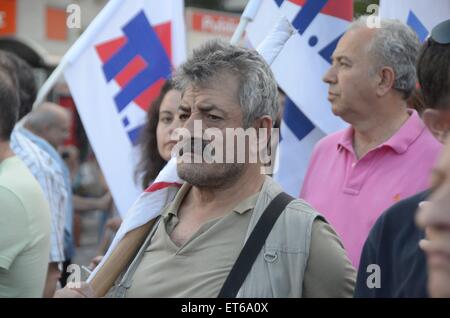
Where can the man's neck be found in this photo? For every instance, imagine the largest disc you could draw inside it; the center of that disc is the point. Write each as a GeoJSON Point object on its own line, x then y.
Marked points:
{"type": "Point", "coordinates": [5, 150]}
{"type": "Point", "coordinates": [378, 128]}
{"type": "Point", "coordinates": [218, 201]}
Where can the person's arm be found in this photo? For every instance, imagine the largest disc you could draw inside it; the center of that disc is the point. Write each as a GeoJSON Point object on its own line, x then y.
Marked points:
{"type": "Point", "coordinates": [14, 231]}
{"type": "Point", "coordinates": [111, 228]}
{"type": "Point", "coordinates": [328, 272]}
{"type": "Point", "coordinates": [53, 275]}
{"type": "Point", "coordinates": [368, 257]}
{"type": "Point", "coordinates": [89, 204]}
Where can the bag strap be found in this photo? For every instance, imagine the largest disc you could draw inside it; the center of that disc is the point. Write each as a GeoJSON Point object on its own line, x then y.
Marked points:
{"type": "Point", "coordinates": [253, 246]}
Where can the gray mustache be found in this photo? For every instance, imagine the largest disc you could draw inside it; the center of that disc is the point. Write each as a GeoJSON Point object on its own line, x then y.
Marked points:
{"type": "Point", "coordinates": [192, 145]}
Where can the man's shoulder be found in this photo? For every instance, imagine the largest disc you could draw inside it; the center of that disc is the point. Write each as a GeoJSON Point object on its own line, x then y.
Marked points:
{"type": "Point", "coordinates": [300, 206]}
{"type": "Point", "coordinates": [12, 171]}
{"type": "Point", "coordinates": [299, 214]}
{"type": "Point", "coordinates": [399, 217]}
{"type": "Point", "coordinates": [427, 145]}
{"type": "Point", "coordinates": [18, 186]}
{"type": "Point", "coordinates": [31, 153]}
{"type": "Point", "coordinates": [404, 207]}
{"type": "Point", "coordinates": [296, 208]}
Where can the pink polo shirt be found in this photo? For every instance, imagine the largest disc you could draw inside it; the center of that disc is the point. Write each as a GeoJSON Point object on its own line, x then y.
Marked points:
{"type": "Point", "coordinates": [351, 194]}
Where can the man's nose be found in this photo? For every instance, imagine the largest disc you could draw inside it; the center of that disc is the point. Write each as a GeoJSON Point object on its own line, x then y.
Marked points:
{"type": "Point", "coordinates": [194, 125]}
{"type": "Point", "coordinates": [330, 76]}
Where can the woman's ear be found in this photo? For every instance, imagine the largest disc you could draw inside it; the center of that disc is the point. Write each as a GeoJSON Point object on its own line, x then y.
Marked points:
{"type": "Point", "coordinates": [436, 123]}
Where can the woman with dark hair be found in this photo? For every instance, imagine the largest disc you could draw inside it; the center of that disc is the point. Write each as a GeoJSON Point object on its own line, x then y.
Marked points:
{"type": "Point", "coordinates": [156, 146]}
{"type": "Point", "coordinates": [156, 143]}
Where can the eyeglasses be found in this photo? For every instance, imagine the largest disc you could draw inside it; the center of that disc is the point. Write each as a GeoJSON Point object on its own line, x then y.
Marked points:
{"type": "Point", "coordinates": [441, 33]}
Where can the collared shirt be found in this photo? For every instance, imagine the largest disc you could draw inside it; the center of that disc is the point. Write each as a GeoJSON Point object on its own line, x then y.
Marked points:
{"type": "Point", "coordinates": [66, 187]}
{"type": "Point", "coordinates": [49, 176]}
{"type": "Point", "coordinates": [200, 266]}
{"type": "Point", "coordinates": [167, 270]}
{"type": "Point", "coordinates": [352, 193]}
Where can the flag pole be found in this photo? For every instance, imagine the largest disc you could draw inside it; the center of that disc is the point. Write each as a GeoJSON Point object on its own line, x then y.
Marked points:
{"type": "Point", "coordinates": [247, 16]}
{"type": "Point", "coordinates": [119, 259]}
{"type": "Point", "coordinates": [77, 48]}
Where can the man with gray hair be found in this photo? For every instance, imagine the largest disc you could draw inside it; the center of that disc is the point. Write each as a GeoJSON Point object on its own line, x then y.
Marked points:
{"type": "Point", "coordinates": [195, 249]}
{"type": "Point", "coordinates": [387, 153]}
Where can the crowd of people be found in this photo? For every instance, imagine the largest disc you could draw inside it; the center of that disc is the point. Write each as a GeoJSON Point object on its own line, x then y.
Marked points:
{"type": "Point", "coordinates": [354, 231]}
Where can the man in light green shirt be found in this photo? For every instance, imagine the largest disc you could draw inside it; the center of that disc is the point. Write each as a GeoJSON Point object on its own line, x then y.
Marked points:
{"type": "Point", "coordinates": [24, 213]}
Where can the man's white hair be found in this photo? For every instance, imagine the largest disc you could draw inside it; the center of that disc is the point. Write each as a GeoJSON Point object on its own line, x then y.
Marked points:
{"type": "Point", "coordinates": [396, 45]}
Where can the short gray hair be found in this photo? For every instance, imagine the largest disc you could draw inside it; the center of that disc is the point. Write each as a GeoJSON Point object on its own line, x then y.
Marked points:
{"type": "Point", "coordinates": [395, 45]}
{"type": "Point", "coordinates": [257, 85]}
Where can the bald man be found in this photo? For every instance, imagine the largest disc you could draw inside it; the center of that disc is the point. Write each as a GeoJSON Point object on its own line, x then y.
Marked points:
{"type": "Point", "coordinates": [48, 127]}
{"type": "Point", "coordinates": [50, 122]}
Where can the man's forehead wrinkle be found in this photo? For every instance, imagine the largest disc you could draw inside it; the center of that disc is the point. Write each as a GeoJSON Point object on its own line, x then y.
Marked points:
{"type": "Point", "coordinates": [188, 97]}
{"type": "Point", "coordinates": [200, 95]}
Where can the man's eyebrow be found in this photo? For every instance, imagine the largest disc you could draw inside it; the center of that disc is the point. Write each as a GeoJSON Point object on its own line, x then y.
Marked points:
{"type": "Point", "coordinates": [340, 58]}
{"type": "Point", "coordinates": [207, 107]}
{"type": "Point", "coordinates": [184, 108]}
{"type": "Point", "coordinates": [344, 58]}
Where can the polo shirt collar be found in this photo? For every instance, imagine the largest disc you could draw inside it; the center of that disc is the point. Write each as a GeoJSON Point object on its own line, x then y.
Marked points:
{"type": "Point", "coordinates": [242, 207]}
{"type": "Point", "coordinates": [247, 204]}
{"type": "Point", "coordinates": [172, 208]}
{"type": "Point", "coordinates": [346, 140]}
{"type": "Point", "coordinates": [407, 134]}
{"type": "Point", "coordinates": [399, 142]}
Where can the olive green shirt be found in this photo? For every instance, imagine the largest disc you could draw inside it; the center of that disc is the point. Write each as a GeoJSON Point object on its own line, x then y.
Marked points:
{"type": "Point", "coordinates": [200, 266]}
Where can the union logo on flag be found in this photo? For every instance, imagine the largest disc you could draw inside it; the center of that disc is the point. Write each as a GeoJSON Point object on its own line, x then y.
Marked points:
{"type": "Point", "coordinates": [139, 62]}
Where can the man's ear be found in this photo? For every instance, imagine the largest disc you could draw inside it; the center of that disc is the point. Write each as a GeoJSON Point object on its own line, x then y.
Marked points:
{"type": "Point", "coordinates": [436, 123]}
{"type": "Point", "coordinates": [264, 122]}
{"type": "Point", "coordinates": [267, 136]}
{"type": "Point", "coordinates": [386, 80]}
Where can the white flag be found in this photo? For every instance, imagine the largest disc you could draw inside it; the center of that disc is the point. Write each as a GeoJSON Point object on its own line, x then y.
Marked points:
{"type": "Point", "coordinates": [115, 70]}
{"type": "Point", "coordinates": [420, 15]}
{"type": "Point", "coordinates": [299, 69]}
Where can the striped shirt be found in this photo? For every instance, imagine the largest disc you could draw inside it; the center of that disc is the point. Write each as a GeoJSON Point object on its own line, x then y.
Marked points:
{"type": "Point", "coordinates": [51, 151]}
{"type": "Point", "coordinates": [50, 177]}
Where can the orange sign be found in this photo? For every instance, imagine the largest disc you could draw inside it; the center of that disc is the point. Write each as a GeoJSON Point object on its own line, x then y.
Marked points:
{"type": "Point", "coordinates": [7, 17]}
{"type": "Point", "coordinates": [56, 24]}
{"type": "Point", "coordinates": [222, 24]}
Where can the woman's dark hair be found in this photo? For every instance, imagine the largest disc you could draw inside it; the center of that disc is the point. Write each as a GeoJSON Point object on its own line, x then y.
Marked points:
{"type": "Point", "coordinates": [151, 162]}
{"type": "Point", "coordinates": [433, 72]}
{"type": "Point", "coordinates": [416, 101]}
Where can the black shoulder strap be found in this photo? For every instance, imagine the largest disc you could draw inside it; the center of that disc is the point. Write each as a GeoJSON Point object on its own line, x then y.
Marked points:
{"type": "Point", "coordinates": [253, 246]}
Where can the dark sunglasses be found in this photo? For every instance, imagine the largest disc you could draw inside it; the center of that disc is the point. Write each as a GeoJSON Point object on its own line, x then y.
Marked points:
{"type": "Point", "coordinates": [441, 33]}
